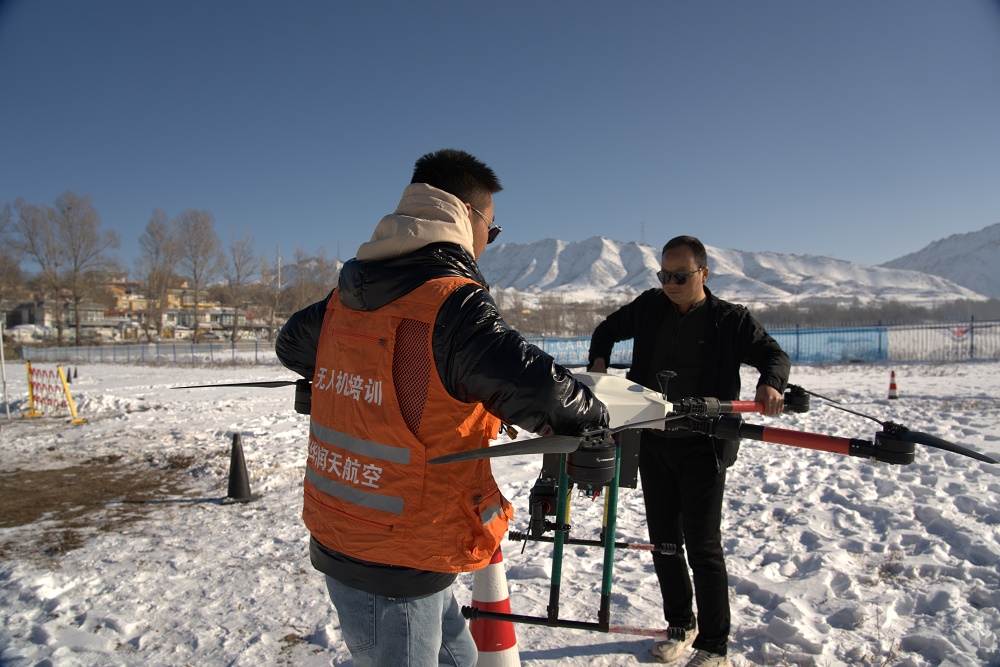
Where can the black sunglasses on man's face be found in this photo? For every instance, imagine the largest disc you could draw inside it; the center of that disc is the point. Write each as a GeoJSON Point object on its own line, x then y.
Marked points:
{"type": "Point", "coordinates": [679, 278]}
{"type": "Point", "coordinates": [493, 229]}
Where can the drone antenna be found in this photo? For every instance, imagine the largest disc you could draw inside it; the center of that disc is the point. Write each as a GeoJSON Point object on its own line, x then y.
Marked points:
{"type": "Point", "coordinates": [663, 377]}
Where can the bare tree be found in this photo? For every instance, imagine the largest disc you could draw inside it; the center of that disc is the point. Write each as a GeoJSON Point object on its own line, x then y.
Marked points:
{"type": "Point", "coordinates": [11, 278]}
{"type": "Point", "coordinates": [268, 291]}
{"type": "Point", "coordinates": [200, 253]}
{"type": "Point", "coordinates": [552, 314]}
{"type": "Point", "coordinates": [86, 248]}
{"type": "Point", "coordinates": [312, 278]}
{"type": "Point", "coordinates": [239, 267]}
{"type": "Point", "coordinates": [302, 283]}
{"type": "Point", "coordinates": [160, 250]}
{"type": "Point", "coordinates": [327, 272]}
{"type": "Point", "coordinates": [36, 236]}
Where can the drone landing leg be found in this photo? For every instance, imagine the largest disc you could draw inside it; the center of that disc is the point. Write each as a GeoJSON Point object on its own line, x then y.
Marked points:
{"type": "Point", "coordinates": [561, 531]}
{"type": "Point", "coordinates": [611, 514]}
{"type": "Point", "coordinates": [561, 538]}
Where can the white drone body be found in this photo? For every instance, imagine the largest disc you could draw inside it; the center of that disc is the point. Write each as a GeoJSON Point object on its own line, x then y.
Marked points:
{"type": "Point", "coordinates": [627, 402]}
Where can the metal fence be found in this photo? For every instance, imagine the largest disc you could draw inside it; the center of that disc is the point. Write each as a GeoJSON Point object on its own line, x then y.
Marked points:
{"type": "Point", "coordinates": [247, 352]}
{"type": "Point", "coordinates": [956, 341]}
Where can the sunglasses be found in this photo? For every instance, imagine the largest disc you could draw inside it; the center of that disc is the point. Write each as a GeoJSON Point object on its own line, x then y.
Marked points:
{"type": "Point", "coordinates": [493, 228]}
{"type": "Point", "coordinates": [680, 278]}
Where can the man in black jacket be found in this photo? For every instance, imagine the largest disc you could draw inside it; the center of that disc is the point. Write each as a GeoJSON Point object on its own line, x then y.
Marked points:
{"type": "Point", "coordinates": [684, 328]}
{"type": "Point", "coordinates": [440, 373]}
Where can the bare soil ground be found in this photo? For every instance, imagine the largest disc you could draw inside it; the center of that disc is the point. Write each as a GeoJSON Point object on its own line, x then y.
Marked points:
{"type": "Point", "coordinates": [45, 512]}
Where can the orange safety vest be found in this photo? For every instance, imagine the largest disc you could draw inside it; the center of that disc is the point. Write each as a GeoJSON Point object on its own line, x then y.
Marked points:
{"type": "Point", "coordinates": [379, 413]}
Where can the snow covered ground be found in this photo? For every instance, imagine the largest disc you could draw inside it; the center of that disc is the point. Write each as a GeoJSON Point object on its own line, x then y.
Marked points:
{"type": "Point", "coordinates": [833, 560]}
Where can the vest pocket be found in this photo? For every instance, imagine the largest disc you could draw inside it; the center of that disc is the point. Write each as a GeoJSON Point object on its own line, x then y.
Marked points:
{"type": "Point", "coordinates": [317, 502]}
{"type": "Point", "coordinates": [487, 516]}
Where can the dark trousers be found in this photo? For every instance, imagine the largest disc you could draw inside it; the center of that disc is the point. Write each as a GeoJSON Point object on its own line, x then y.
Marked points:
{"type": "Point", "coordinates": [682, 490]}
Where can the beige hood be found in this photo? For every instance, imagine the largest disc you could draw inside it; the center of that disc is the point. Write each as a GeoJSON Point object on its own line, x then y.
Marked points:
{"type": "Point", "coordinates": [425, 215]}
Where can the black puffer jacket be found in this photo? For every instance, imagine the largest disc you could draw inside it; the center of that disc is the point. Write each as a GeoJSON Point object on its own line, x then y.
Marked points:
{"type": "Point", "coordinates": [734, 338]}
{"type": "Point", "coordinates": [478, 357]}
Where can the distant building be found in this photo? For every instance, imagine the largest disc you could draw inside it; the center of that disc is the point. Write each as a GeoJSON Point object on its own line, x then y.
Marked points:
{"type": "Point", "coordinates": [128, 296]}
{"type": "Point", "coordinates": [95, 321]}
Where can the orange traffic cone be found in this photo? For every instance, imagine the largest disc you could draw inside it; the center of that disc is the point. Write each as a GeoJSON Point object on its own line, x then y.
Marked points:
{"type": "Point", "coordinates": [495, 639]}
{"type": "Point", "coordinates": [892, 385]}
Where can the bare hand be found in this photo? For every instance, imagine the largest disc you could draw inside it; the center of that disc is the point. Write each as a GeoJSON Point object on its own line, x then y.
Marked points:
{"type": "Point", "coordinates": [772, 399]}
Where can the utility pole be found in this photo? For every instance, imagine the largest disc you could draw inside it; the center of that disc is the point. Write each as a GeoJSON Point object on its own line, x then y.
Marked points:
{"type": "Point", "coordinates": [3, 373]}
{"type": "Point", "coordinates": [277, 291]}
{"type": "Point", "coordinates": [277, 254]}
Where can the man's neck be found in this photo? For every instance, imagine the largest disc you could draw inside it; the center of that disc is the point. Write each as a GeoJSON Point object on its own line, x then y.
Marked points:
{"type": "Point", "coordinates": [684, 309]}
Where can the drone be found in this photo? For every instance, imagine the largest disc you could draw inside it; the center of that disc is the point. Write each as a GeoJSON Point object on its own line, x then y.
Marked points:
{"type": "Point", "coordinates": [597, 459]}
{"type": "Point", "coordinates": [608, 459]}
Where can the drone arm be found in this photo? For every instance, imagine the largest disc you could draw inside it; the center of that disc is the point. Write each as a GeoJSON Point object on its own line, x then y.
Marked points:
{"type": "Point", "coordinates": [745, 406]}
{"type": "Point", "coordinates": [884, 448]}
{"type": "Point", "coordinates": [713, 407]}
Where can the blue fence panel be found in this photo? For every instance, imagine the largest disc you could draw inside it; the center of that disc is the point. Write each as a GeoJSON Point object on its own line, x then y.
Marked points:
{"type": "Point", "coordinates": [572, 352]}
{"type": "Point", "coordinates": [834, 345]}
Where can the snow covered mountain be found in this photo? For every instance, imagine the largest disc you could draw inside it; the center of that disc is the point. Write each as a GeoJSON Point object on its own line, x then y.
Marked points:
{"type": "Point", "coordinates": [599, 268]}
{"type": "Point", "coordinates": [970, 260]}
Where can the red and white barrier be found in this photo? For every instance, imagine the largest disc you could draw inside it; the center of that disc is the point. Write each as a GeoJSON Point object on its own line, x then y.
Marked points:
{"type": "Point", "coordinates": [48, 393]}
{"type": "Point", "coordinates": [495, 639]}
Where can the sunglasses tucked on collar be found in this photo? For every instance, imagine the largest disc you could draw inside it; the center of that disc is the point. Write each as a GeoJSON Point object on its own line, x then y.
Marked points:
{"type": "Point", "coordinates": [679, 278]}
{"type": "Point", "coordinates": [493, 228]}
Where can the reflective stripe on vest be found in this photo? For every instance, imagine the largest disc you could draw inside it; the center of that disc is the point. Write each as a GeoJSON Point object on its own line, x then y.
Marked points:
{"type": "Point", "coordinates": [373, 450]}
{"type": "Point", "coordinates": [354, 495]}
{"type": "Point", "coordinates": [491, 512]}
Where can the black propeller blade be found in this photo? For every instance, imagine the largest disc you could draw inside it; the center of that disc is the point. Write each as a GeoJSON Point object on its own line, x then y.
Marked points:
{"type": "Point", "coordinates": [275, 383]}
{"type": "Point", "coordinates": [933, 441]}
{"type": "Point", "coordinates": [564, 444]}
{"type": "Point", "coordinates": [550, 444]}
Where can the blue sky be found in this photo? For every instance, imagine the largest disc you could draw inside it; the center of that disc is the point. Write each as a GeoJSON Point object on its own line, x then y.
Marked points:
{"type": "Point", "coordinates": [853, 129]}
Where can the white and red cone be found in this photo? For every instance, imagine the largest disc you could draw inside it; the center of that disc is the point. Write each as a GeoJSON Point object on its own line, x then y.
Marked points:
{"type": "Point", "coordinates": [892, 385]}
{"type": "Point", "coordinates": [495, 639]}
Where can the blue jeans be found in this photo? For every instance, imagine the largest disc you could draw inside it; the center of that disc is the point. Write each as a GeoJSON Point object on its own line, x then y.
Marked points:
{"type": "Point", "coordinates": [416, 632]}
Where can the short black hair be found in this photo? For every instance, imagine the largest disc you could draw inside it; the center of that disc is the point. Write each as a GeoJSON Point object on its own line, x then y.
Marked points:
{"type": "Point", "coordinates": [458, 173]}
{"type": "Point", "coordinates": [697, 247]}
